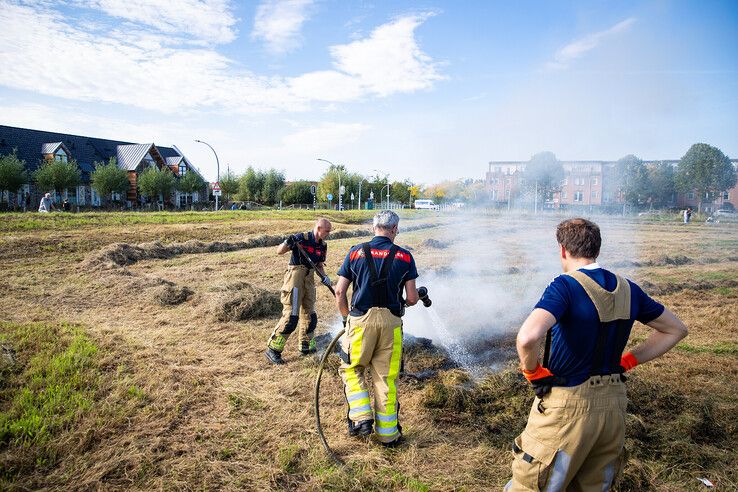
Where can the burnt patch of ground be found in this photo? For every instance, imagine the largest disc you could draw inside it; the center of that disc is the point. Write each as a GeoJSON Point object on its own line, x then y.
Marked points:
{"type": "Point", "coordinates": [663, 288]}
{"type": "Point", "coordinates": [434, 243]}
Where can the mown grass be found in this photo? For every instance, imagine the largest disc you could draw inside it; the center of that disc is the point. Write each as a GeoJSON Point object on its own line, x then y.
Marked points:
{"type": "Point", "coordinates": [49, 379]}
{"type": "Point", "coordinates": [12, 222]}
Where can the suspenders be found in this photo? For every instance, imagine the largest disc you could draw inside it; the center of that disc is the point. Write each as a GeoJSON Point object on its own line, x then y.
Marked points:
{"type": "Point", "coordinates": [621, 328]}
{"type": "Point", "coordinates": [379, 280]}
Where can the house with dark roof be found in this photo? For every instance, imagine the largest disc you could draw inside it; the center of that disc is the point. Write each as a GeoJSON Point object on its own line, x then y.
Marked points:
{"type": "Point", "coordinates": [35, 147]}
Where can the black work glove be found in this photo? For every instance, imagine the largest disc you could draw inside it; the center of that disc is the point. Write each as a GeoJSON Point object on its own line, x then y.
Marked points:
{"type": "Point", "coordinates": [542, 387]}
{"type": "Point", "coordinates": [291, 241]}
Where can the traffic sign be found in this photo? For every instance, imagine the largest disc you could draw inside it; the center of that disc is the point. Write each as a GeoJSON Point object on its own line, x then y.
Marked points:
{"type": "Point", "coordinates": [313, 190]}
{"type": "Point", "coordinates": [342, 190]}
{"type": "Point", "coordinates": [217, 192]}
{"type": "Point", "coordinates": [329, 197]}
{"type": "Point", "coordinates": [216, 186]}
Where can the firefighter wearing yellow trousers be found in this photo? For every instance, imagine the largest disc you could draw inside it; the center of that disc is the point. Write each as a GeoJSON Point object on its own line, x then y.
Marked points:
{"type": "Point", "coordinates": [298, 290]}
{"type": "Point", "coordinates": [378, 270]}
{"type": "Point", "coordinates": [576, 426]}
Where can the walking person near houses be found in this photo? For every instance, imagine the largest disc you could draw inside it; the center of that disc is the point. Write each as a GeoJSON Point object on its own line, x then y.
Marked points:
{"type": "Point", "coordinates": [46, 204]}
{"type": "Point", "coordinates": [27, 202]}
{"type": "Point", "coordinates": [298, 290]}
{"type": "Point", "coordinates": [576, 427]}
{"type": "Point", "coordinates": [379, 271]}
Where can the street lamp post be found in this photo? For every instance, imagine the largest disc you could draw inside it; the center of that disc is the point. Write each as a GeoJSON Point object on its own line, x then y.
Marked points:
{"type": "Point", "coordinates": [386, 176]}
{"type": "Point", "coordinates": [217, 169]}
{"type": "Point", "coordinates": [340, 197]}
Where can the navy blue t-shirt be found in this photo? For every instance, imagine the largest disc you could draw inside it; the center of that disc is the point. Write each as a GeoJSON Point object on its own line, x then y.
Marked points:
{"type": "Point", "coordinates": [356, 270]}
{"type": "Point", "coordinates": [577, 325]}
{"type": "Point", "coordinates": [316, 249]}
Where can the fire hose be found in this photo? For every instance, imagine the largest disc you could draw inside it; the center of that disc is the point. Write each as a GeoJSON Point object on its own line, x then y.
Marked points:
{"type": "Point", "coordinates": [423, 294]}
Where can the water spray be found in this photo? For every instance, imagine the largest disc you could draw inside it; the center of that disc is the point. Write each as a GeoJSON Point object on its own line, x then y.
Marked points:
{"type": "Point", "coordinates": [423, 295]}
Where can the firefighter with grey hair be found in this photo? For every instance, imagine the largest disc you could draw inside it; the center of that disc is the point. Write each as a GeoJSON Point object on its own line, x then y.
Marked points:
{"type": "Point", "coordinates": [298, 290]}
{"type": "Point", "coordinates": [379, 271]}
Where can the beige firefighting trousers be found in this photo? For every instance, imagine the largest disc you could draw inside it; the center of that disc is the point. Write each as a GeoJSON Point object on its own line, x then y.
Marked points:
{"type": "Point", "coordinates": [576, 443]}
{"type": "Point", "coordinates": [298, 306]}
{"type": "Point", "coordinates": [574, 440]}
{"type": "Point", "coordinates": [373, 341]}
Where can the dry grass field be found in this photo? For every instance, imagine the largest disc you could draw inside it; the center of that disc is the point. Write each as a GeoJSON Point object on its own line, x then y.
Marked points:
{"type": "Point", "coordinates": [132, 354]}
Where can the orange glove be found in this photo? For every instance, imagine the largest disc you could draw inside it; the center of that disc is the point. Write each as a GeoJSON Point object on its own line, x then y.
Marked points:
{"type": "Point", "coordinates": [539, 372]}
{"type": "Point", "coordinates": [628, 361]}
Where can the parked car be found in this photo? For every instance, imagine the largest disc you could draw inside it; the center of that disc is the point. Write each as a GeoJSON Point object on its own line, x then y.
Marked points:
{"type": "Point", "coordinates": [725, 212]}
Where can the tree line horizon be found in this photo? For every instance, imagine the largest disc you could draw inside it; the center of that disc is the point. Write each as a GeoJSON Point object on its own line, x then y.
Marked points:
{"type": "Point", "coordinates": [704, 169]}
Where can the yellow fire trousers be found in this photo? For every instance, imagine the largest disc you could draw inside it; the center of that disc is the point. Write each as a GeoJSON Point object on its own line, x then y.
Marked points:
{"type": "Point", "coordinates": [373, 342]}
{"type": "Point", "coordinates": [298, 307]}
{"type": "Point", "coordinates": [576, 442]}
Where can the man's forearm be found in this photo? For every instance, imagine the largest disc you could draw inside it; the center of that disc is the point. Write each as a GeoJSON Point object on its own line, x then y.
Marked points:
{"type": "Point", "coordinates": [528, 356]}
{"type": "Point", "coordinates": [342, 303]}
{"type": "Point", "coordinates": [668, 330]}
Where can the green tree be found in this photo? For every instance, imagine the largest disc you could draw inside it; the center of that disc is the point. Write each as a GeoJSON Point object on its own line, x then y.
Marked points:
{"type": "Point", "coordinates": [108, 178]}
{"type": "Point", "coordinates": [705, 170]}
{"type": "Point", "coordinates": [661, 178]}
{"type": "Point", "coordinates": [12, 174]}
{"type": "Point", "coordinates": [190, 183]}
{"type": "Point", "coordinates": [273, 182]}
{"type": "Point", "coordinates": [57, 175]}
{"type": "Point", "coordinates": [400, 192]}
{"type": "Point", "coordinates": [296, 192]}
{"type": "Point", "coordinates": [229, 185]}
{"type": "Point", "coordinates": [328, 183]}
{"type": "Point", "coordinates": [543, 174]}
{"type": "Point", "coordinates": [251, 185]}
{"type": "Point", "coordinates": [157, 183]}
{"type": "Point", "coordinates": [633, 181]}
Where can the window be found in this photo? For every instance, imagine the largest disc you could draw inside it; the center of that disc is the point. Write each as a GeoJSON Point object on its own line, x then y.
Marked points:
{"type": "Point", "coordinates": [594, 181]}
{"type": "Point", "coordinates": [578, 195]}
{"type": "Point", "coordinates": [507, 193]}
{"type": "Point", "coordinates": [60, 155]}
{"type": "Point", "coordinates": [564, 196]}
{"type": "Point", "coordinates": [594, 194]}
{"type": "Point", "coordinates": [726, 195]}
{"type": "Point", "coordinates": [690, 195]}
{"type": "Point", "coordinates": [565, 182]}
{"type": "Point", "coordinates": [150, 162]}
{"type": "Point", "coordinates": [182, 169]}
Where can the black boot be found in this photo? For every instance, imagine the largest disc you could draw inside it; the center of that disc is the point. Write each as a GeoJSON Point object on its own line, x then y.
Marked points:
{"type": "Point", "coordinates": [307, 348]}
{"type": "Point", "coordinates": [363, 428]}
{"type": "Point", "coordinates": [273, 356]}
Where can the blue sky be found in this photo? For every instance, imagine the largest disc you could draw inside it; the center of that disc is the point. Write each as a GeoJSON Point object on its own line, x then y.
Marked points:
{"type": "Point", "coordinates": [425, 90]}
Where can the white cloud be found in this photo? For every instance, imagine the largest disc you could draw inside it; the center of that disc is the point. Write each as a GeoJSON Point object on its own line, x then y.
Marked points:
{"type": "Point", "coordinates": [278, 23]}
{"type": "Point", "coordinates": [209, 20]}
{"type": "Point", "coordinates": [389, 60]}
{"type": "Point", "coordinates": [576, 49]}
{"type": "Point", "coordinates": [325, 137]}
{"type": "Point", "coordinates": [144, 68]}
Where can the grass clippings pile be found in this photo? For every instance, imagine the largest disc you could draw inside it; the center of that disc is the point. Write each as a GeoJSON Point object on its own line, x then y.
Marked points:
{"type": "Point", "coordinates": [170, 294]}
{"type": "Point", "coordinates": [242, 301]}
{"type": "Point", "coordinates": [123, 254]}
{"type": "Point", "coordinates": [433, 243]}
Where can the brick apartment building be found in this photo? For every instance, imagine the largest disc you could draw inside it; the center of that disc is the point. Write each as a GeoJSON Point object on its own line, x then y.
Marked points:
{"type": "Point", "coordinates": [586, 184]}
{"type": "Point", "coordinates": [34, 147]}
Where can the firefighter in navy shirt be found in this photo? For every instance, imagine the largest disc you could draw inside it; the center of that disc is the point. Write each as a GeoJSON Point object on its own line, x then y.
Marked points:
{"type": "Point", "coordinates": [379, 271]}
{"type": "Point", "coordinates": [576, 427]}
{"type": "Point", "coordinates": [298, 290]}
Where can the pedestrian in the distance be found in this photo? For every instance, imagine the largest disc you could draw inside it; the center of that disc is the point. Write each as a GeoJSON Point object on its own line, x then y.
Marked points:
{"type": "Point", "coordinates": [576, 427]}
{"type": "Point", "coordinates": [46, 204]}
{"type": "Point", "coordinates": [27, 202]}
